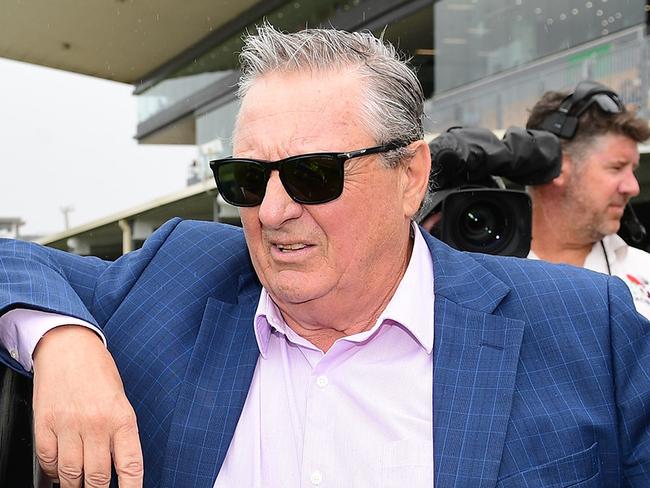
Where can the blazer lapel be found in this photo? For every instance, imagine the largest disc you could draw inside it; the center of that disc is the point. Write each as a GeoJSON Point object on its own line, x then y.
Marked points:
{"type": "Point", "coordinates": [476, 354]}
{"type": "Point", "coordinates": [214, 390]}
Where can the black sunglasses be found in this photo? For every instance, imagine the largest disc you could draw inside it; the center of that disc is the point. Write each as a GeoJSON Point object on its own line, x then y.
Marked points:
{"type": "Point", "coordinates": [307, 178]}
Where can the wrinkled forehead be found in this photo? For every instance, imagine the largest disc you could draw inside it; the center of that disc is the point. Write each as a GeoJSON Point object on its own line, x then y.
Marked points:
{"type": "Point", "coordinates": [297, 112]}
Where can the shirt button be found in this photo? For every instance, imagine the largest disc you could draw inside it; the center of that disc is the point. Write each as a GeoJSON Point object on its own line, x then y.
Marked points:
{"type": "Point", "coordinates": [322, 381]}
{"type": "Point", "coordinates": [14, 354]}
{"type": "Point", "coordinates": [316, 478]}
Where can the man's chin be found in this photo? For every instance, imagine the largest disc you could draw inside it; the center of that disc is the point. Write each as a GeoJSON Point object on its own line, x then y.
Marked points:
{"type": "Point", "coordinates": [293, 291]}
{"type": "Point", "coordinates": [609, 228]}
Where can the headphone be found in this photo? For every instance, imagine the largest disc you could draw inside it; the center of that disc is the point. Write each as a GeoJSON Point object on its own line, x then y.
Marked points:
{"type": "Point", "coordinates": [564, 121]}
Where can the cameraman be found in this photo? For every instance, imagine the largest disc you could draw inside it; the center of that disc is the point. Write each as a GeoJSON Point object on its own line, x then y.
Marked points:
{"type": "Point", "coordinates": [577, 215]}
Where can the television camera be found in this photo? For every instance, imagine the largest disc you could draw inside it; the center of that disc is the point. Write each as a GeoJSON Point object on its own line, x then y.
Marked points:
{"type": "Point", "coordinates": [467, 188]}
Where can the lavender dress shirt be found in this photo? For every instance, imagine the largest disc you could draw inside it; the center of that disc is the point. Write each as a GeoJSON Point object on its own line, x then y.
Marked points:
{"type": "Point", "coordinates": [359, 415]}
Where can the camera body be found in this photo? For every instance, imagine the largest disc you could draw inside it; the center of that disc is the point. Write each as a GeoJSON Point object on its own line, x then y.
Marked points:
{"type": "Point", "coordinates": [478, 213]}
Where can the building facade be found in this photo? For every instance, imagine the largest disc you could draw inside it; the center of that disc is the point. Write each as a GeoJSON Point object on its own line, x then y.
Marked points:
{"type": "Point", "coordinates": [481, 62]}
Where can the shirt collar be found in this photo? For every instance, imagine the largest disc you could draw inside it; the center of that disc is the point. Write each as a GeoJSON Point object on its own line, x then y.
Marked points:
{"type": "Point", "coordinates": [411, 306]}
{"type": "Point", "coordinates": [616, 244]}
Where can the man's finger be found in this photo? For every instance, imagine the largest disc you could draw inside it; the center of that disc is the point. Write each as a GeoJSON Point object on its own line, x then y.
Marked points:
{"type": "Point", "coordinates": [127, 455]}
{"type": "Point", "coordinates": [97, 461]}
{"type": "Point", "coordinates": [70, 464]}
{"type": "Point", "coordinates": [45, 447]}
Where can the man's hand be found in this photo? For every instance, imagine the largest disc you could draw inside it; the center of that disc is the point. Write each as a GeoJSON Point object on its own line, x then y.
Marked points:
{"type": "Point", "coordinates": [82, 417]}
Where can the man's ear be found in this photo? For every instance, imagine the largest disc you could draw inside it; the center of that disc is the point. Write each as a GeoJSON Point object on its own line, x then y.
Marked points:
{"type": "Point", "coordinates": [565, 172]}
{"type": "Point", "coordinates": [415, 181]}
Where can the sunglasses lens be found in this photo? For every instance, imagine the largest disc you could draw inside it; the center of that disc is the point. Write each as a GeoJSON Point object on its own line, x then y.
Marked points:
{"type": "Point", "coordinates": [241, 183]}
{"type": "Point", "coordinates": [308, 179]}
{"type": "Point", "coordinates": [313, 179]}
{"type": "Point", "coordinates": [608, 104]}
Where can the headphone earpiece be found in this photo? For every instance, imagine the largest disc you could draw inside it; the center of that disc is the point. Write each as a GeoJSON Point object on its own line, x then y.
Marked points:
{"type": "Point", "coordinates": [561, 124]}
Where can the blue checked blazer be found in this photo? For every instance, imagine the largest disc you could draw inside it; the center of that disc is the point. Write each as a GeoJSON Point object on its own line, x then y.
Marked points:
{"type": "Point", "coordinates": [541, 372]}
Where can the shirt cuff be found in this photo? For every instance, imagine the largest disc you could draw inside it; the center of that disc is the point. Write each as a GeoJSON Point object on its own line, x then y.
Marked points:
{"type": "Point", "coordinates": [21, 329]}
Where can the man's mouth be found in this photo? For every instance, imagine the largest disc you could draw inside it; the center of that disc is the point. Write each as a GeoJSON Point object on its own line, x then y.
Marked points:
{"type": "Point", "coordinates": [290, 247]}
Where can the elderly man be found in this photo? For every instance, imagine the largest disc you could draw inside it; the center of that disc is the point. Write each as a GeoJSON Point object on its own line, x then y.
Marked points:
{"type": "Point", "coordinates": [577, 215]}
{"type": "Point", "coordinates": [332, 343]}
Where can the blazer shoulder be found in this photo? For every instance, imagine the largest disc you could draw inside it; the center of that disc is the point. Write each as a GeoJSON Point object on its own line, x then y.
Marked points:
{"type": "Point", "coordinates": [462, 276]}
{"type": "Point", "coordinates": [204, 226]}
{"type": "Point", "coordinates": [541, 274]}
{"type": "Point", "coordinates": [208, 254]}
{"type": "Point", "coordinates": [559, 295]}
{"type": "Point", "coordinates": [206, 236]}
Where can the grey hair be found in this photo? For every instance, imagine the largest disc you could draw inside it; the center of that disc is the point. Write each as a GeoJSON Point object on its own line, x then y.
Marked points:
{"type": "Point", "coordinates": [392, 106]}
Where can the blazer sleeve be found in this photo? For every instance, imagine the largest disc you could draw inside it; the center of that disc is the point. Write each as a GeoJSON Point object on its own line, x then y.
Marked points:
{"type": "Point", "coordinates": [630, 343]}
{"type": "Point", "coordinates": [50, 280]}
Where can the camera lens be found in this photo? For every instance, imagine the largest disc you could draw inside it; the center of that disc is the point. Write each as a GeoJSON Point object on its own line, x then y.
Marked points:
{"type": "Point", "coordinates": [487, 220]}
{"type": "Point", "coordinates": [482, 224]}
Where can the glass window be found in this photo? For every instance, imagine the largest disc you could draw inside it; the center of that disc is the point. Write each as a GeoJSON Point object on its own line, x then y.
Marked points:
{"type": "Point", "coordinates": [477, 39]}
{"type": "Point", "coordinates": [214, 136]}
{"type": "Point", "coordinates": [222, 60]}
{"type": "Point", "coordinates": [486, 63]}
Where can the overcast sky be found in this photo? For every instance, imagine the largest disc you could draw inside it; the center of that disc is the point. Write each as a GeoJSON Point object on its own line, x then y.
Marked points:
{"type": "Point", "coordinates": [67, 139]}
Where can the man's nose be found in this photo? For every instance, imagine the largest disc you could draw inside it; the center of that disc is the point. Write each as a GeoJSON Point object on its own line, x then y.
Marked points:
{"type": "Point", "coordinates": [630, 185]}
{"type": "Point", "coordinates": [277, 206]}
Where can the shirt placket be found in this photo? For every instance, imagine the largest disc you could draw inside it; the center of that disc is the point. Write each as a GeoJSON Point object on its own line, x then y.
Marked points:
{"type": "Point", "coordinates": [316, 469]}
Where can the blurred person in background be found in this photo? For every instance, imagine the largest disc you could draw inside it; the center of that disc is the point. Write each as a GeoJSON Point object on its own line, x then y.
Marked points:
{"type": "Point", "coordinates": [576, 216]}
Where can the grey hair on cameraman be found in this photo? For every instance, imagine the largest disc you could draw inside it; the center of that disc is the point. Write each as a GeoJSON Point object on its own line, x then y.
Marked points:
{"type": "Point", "coordinates": [392, 107]}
